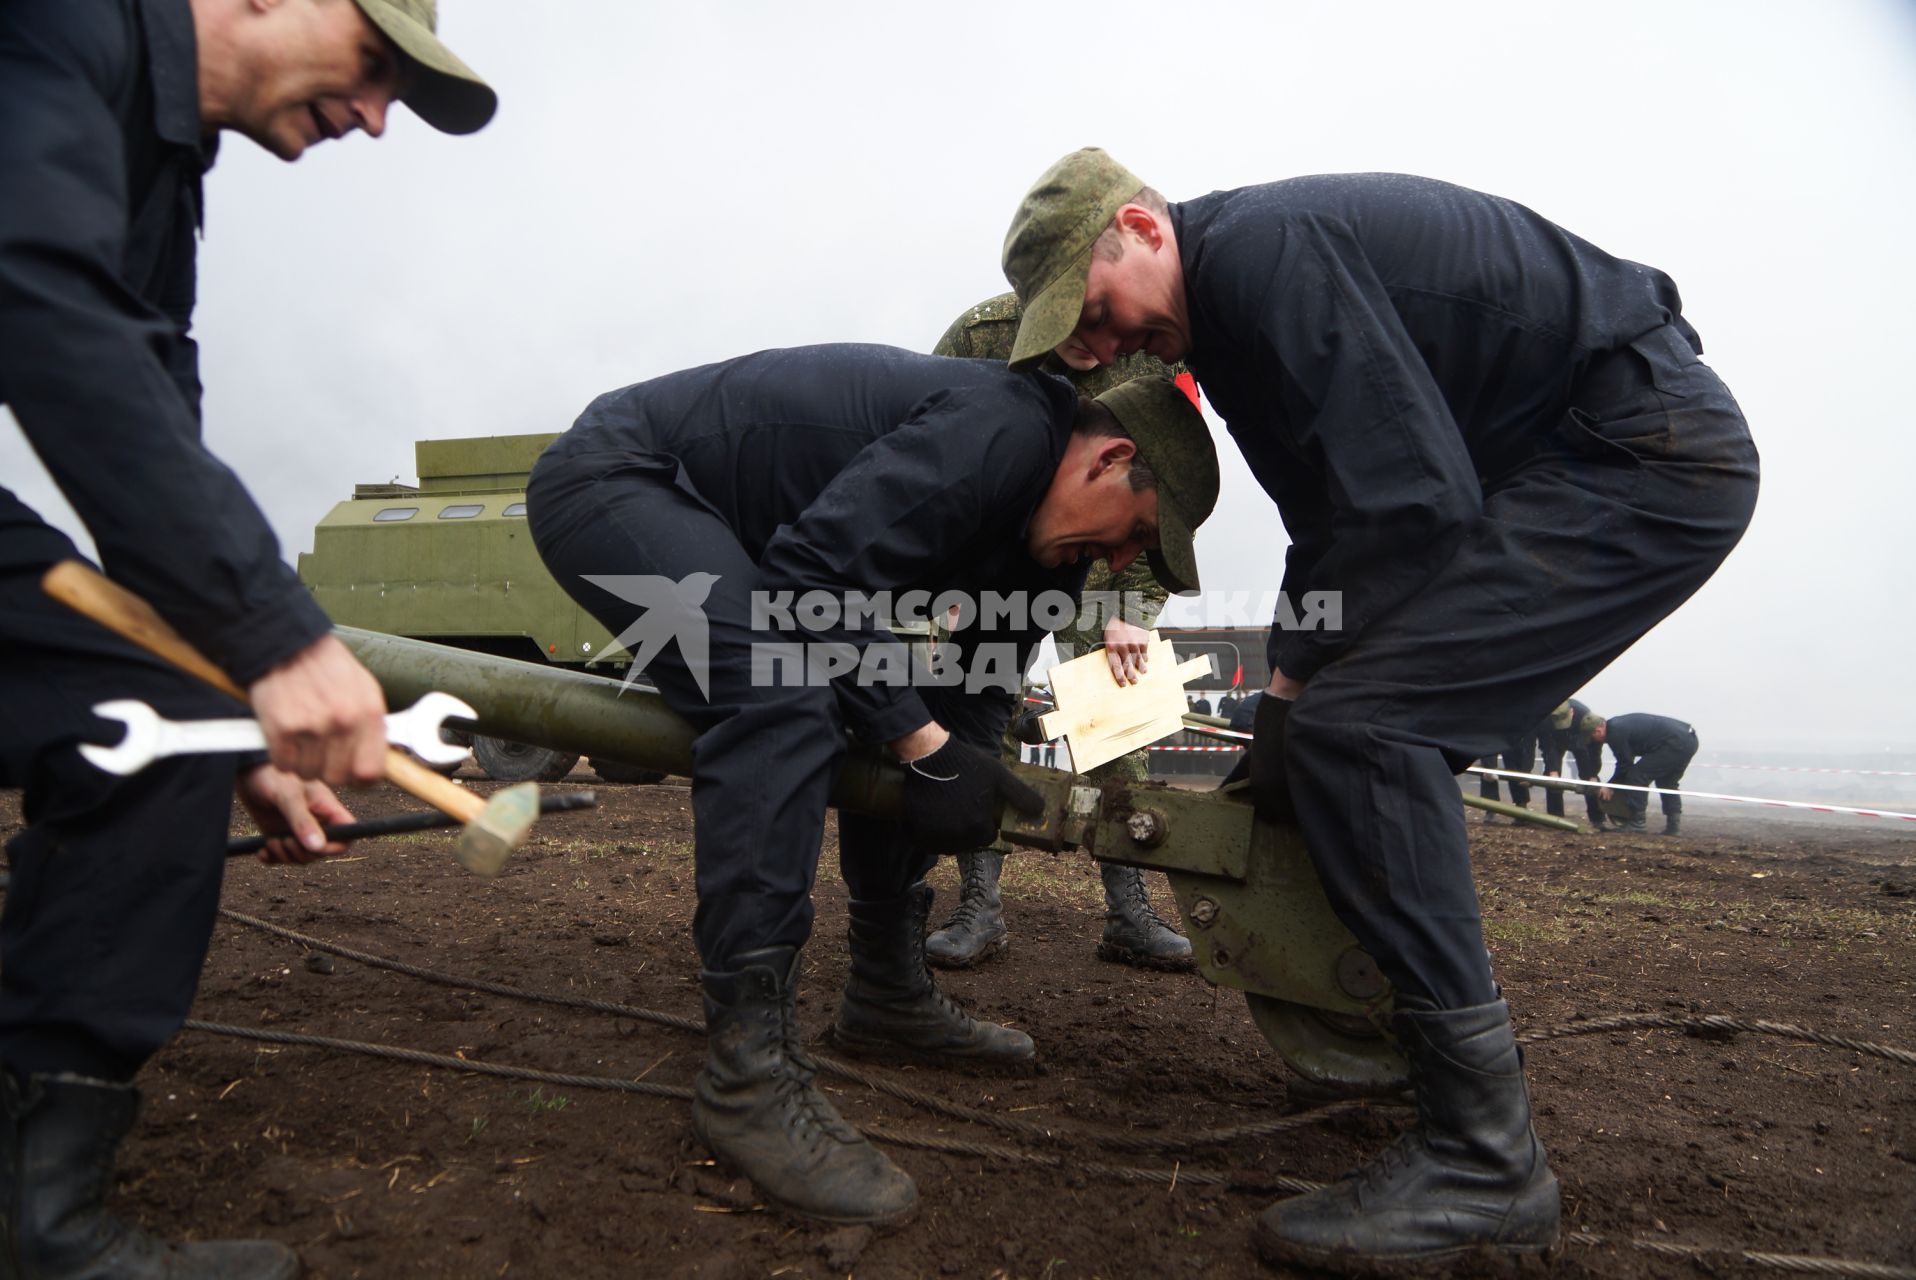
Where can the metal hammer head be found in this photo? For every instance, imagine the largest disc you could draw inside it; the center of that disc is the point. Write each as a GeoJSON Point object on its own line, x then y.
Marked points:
{"type": "Point", "coordinates": [489, 839]}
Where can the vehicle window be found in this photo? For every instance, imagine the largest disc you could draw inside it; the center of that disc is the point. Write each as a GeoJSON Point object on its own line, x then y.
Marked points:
{"type": "Point", "coordinates": [513, 509]}
{"type": "Point", "coordinates": [396, 513]}
{"type": "Point", "coordinates": [463, 511]}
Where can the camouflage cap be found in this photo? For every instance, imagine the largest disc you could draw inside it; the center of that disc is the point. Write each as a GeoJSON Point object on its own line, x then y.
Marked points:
{"type": "Point", "coordinates": [1048, 248]}
{"type": "Point", "coordinates": [1589, 722]}
{"type": "Point", "coordinates": [444, 92]}
{"type": "Point", "coordinates": [1171, 436]}
{"type": "Point", "coordinates": [1560, 718]}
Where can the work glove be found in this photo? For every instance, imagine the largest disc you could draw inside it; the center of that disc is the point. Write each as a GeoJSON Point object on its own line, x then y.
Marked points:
{"type": "Point", "coordinates": [1028, 726]}
{"type": "Point", "coordinates": [1264, 762]}
{"type": "Point", "coordinates": [952, 795]}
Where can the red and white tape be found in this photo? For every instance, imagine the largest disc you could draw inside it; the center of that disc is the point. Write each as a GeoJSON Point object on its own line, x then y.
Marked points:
{"type": "Point", "coordinates": [1793, 768]}
{"type": "Point", "coordinates": [1712, 795]}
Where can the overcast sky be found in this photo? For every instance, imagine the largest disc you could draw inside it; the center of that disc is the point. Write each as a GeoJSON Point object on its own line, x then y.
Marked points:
{"type": "Point", "coordinates": [668, 184]}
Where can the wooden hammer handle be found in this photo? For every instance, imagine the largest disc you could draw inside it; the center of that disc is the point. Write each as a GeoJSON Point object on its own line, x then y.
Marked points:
{"type": "Point", "coordinates": [95, 596]}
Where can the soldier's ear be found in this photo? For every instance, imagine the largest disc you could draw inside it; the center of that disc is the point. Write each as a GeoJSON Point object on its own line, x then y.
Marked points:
{"type": "Point", "coordinates": [1142, 223]}
{"type": "Point", "coordinates": [1114, 451]}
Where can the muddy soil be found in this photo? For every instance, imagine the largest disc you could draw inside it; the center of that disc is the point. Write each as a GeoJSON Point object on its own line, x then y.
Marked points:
{"type": "Point", "coordinates": [375, 1167]}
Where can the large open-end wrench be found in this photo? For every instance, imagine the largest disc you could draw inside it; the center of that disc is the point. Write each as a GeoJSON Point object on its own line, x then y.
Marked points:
{"type": "Point", "coordinates": [149, 736]}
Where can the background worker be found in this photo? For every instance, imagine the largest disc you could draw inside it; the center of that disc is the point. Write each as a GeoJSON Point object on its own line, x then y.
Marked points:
{"type": "Point", "coordinates": [1519, 755]}
{"type": "Point", "coordinates": [1567, 732]}
{"type": "Point", "coordinates": [1440, 390]}
{"type": "Point", "coordinates": [1134, 933]}
{"type": "Point", "coordinates": [111, 112]}
{"type": "Point", "coordinates": [1649, 750]}
{"type": "Point", "coordinates": [840, 473]}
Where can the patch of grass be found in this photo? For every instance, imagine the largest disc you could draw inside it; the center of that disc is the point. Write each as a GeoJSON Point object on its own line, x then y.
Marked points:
{"type": "Point", "coordinates": [479, 1124]}
{"type": "Point", "coordinates": [1515, 932]}
{"type": "Point", "coordinates": [538, 1100]}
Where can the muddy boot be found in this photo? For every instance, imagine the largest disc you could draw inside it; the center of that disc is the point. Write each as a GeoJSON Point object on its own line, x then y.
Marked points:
{"type": "Point", "coordinates": [57, 1138]}
{"type": "Point", "coordinates": [1635, 822]}
{"type": "Point", "coordinates": [1471, 1178]}
{"type": "Point", "coordinates": [1672, 824]}
{"type": "Point", "coordinates": [754, 1107]}
{"type": "Point", "coordinates": [893, 1011]}
{"type": "Point", "coordinates": [975, 930]}
{"type": "Point", "coordinates": [1134, 934]}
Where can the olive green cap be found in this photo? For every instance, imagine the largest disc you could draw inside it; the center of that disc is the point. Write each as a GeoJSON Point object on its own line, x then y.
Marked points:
{"type": "Point", "coordinates": [1172, 438]}
{"type": "Point", "coordinates": [1048, 249]}
{"type": "Point", "coordinates": [1560, 718]}
{"type": "Point", "coordinates": [444, 92]}
{"type": "Point", "coordinates": [1588, 723]}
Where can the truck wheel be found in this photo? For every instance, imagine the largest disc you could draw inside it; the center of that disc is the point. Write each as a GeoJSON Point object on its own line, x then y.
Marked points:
{"type": "Point", "coordinates": [618, 771]}
{"type": "Point", "coordinates": [516, 762]}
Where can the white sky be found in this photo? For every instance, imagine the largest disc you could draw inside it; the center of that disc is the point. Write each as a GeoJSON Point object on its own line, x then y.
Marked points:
{"type": "Point", "coordinates": [668, 184]}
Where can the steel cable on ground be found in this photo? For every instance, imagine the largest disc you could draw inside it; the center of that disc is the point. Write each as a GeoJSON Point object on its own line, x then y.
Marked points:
{"type": "Point", "coordinates": [683, 1093]}
{"type": "Point", "coordinates": [1798, 1263]}
{"type": "Point", "coordinates": [1756, 1257]}
{"type": "Point", "coordinates": [1110, 1140]}
{"type": "Point", "coordinates": [1717, 1022]}
{"type": "Point", "coordinates": [1802, 1263]}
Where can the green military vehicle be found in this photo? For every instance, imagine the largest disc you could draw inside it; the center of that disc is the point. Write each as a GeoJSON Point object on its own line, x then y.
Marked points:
{"type": "Point", "coordinates": [450, 560]}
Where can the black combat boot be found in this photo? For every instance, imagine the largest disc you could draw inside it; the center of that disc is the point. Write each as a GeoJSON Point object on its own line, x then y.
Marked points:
{"type": "Point", "coordinates": [57, 1138]}
{"type": "Point", "coordinates": [1471, 1178]}
{"type": "Point", "coordinates": [1672, 824]}
{"type": "Point", "coordinates": [1134, 934]}
{"type": "Point", "coordinates": [975, 930]}
{"type": "Point", "coordinates": [1635, 822]}
{"type": "Point", "coordinates": [894, 1011]}
{"type": "Point", "coordinates": [754, 1107]}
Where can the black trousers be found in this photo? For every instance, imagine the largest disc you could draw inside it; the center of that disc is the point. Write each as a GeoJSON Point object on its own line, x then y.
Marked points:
{"type": "Point", "coordinates": [1645, 487]}
{"type": "Point", "coordinates": [1663, 766]}
{"type": "Point", "coordinates": [766, 756]}
{"type": "Point", "coordinates": [115, 881]}
{"type": "Point", "coordinates": [1518, 757]}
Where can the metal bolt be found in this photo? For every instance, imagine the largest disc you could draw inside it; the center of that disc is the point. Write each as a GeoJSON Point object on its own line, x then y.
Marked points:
{"type": "Point", "coordinates": [1147, 827]}
{"type": "Point", "coordinates": [1203, 912]}
{"type": "Point", "coordinates": [1358, 975]}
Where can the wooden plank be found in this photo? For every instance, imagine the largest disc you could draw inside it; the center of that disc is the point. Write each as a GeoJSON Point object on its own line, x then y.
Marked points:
{"type": "Point", "coordinates": [1101, 719]}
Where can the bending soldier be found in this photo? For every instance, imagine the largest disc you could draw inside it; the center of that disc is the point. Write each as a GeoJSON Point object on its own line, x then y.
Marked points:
{"type": "Point", "coordinates": [112, 112]}
{"type": "Point", "coordinates": [1649, 750]}
{"type": "Point", "coordinates": [1376, 343]}
{"type": "Point", "coordinates": [838, 474]}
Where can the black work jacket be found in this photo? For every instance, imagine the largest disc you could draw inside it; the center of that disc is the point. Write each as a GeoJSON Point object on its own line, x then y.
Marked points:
{"type": "Point", "coordinates": [101, 156]}
{"type": "Point", "coordinates": [855, 468]}
{"type": "Point", "coordinates": [1380, 346]}
{"type": "Point", "coordinates": [1632, 737]}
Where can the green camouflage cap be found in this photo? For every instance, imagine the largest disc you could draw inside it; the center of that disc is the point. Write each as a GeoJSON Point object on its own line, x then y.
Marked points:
{"type": "Point", "coordinates": [445, 92]}
{"type": "Point", "coordinates": [1171, 437]}
{"type": "Point", "coordinates": [1048, 249]}
{"type": "Point", "coordinates": [1560, 718]}
{"type": "Point", "coordinates": [1587, 723]}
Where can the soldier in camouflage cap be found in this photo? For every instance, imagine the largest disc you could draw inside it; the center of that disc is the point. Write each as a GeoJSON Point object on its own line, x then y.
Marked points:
{"type": "Point", "coordinates": [1495, 443]}
{"type": "Point", "coordinates": [1134, 933]}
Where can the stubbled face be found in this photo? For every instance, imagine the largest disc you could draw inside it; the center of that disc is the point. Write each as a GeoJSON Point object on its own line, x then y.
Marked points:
{"type": "Point", "coordinates": [1092, 513]}
{"type": "Point", "coordinates": [323, 71]}
{"type": "Point", "coordinates": [1135, 303]}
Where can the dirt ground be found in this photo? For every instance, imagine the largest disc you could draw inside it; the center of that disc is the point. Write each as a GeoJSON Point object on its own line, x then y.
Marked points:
{"type": "Point", "coordinates": [376, 1168]}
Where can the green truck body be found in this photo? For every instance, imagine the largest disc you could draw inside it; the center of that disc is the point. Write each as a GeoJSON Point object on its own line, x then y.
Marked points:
{"type": "Point", "coordinates": [451, 560]}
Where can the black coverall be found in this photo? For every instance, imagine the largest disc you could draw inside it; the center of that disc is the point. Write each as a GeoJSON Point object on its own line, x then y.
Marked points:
{"type": "Point", "coordinates": [1556, 743]}
{"type": "Point", "coordinates": [1496, 441]}
{"type": "Point", "coordinates": [838, 469]}
{"type": "Point", "coordinates": [115, 880]}
{"type": "Point", "coordinates": [1650, 750]}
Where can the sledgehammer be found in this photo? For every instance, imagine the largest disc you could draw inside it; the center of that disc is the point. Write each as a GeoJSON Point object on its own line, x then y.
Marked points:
{"type": "Point", "coordinates": [493, 828]}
